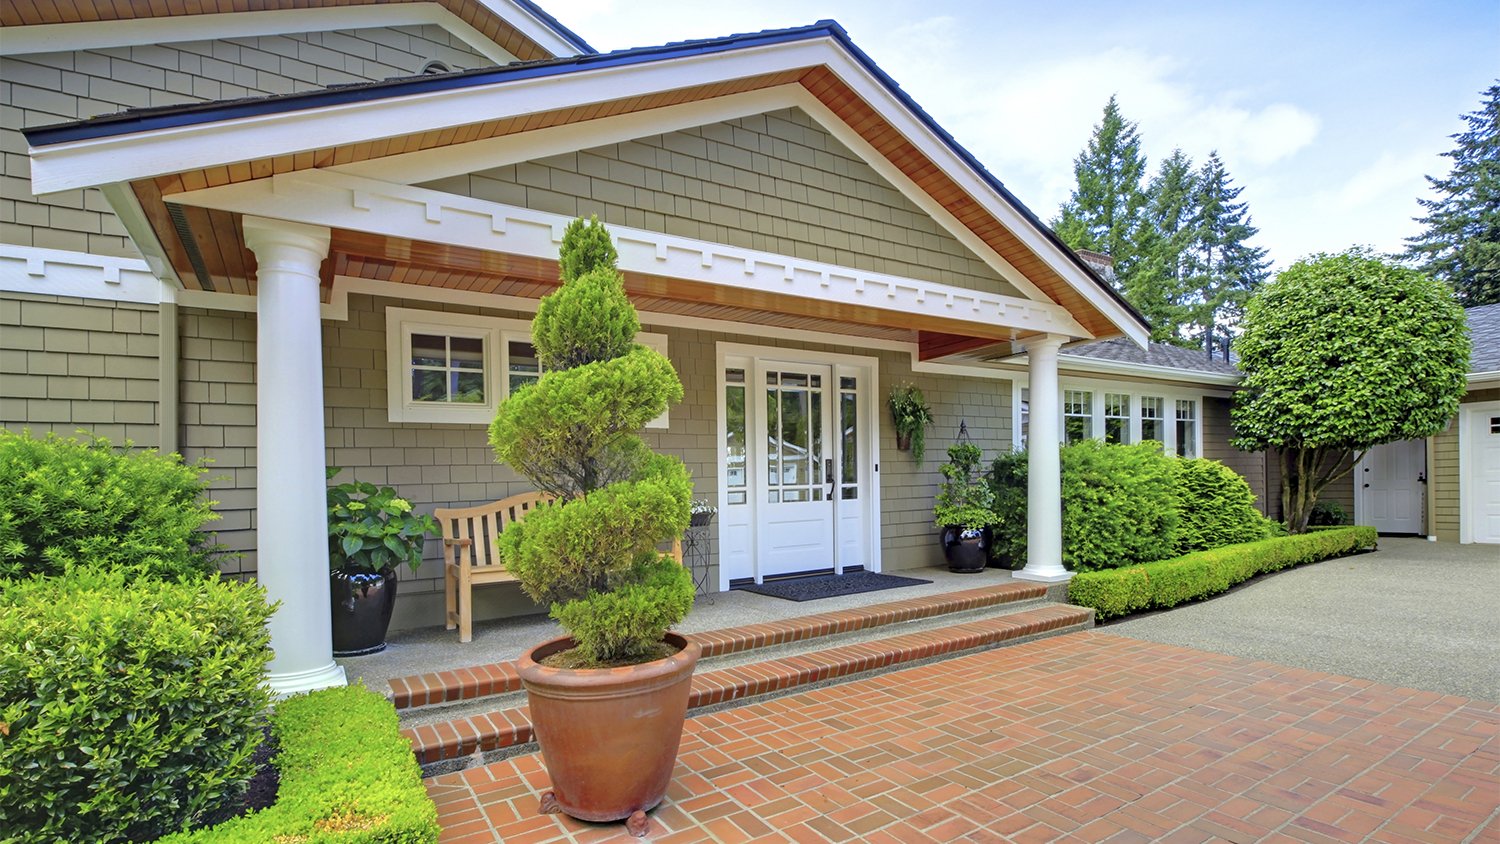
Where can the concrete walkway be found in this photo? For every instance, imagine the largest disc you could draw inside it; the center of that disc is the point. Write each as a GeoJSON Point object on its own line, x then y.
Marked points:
{"type": "Point", "coordinates": [1083, 738]}
{"type": "Point", "coordinates": [1414, 613]}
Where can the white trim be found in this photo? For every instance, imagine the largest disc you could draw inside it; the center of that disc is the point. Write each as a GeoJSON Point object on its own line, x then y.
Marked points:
{"type": "Point", "coordinates": [1168, 395]}
{"type": "Point", "coordinates": [95, 35]}
{"type": "Point", "coordinates": [1079, 363]}
{"type": "Point", "coordinates": [359, 204]}
{"type": "Point", "coordinates": [870, 367]}
{"type": "Point", "coordinates": [127, 208]}
{"type": "Point", "coordinates": [1468, 418]}
{"type": "Point", "coordinates": [1478, 380]}
{"type": "Point", "coordinates": [496, 332]}
{"type": "Point", "coordinates": [127, 157]}
{"type": "Point", "coordinates": [54, 272]}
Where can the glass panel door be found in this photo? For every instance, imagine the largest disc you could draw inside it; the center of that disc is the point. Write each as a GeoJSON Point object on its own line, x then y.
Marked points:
{"type": "Point", "coordinates": [796, 523]}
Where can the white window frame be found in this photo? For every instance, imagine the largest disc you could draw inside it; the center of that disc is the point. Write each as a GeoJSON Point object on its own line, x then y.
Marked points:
{"type": "Point", "coordinates": [497, 332]}
{"type": "Point", "coordinates": [1194, 405]}
{"type": "Point", "coordinates": [1136, 392]}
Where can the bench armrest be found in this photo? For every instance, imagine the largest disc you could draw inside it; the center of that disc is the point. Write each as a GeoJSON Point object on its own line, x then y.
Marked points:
{"type": "Point", "coordinates": [460, 543]}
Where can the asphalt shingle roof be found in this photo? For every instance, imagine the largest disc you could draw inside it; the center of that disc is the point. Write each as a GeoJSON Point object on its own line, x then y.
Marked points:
{"type": "Point", "coordinates": [1122, 350]}
{"type": "Point", "coordinates": [1484, 331]}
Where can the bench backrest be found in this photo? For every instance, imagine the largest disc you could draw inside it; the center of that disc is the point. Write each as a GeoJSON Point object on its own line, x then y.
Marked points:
{"type": "Point", "coordinates": [481, 526]}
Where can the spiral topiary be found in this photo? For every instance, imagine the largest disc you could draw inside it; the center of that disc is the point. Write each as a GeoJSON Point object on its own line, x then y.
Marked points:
{"type": "Point", "coordinates": [592, 554]}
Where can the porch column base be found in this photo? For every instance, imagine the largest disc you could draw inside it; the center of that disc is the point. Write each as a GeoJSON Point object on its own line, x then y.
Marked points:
{"type": "Point", "coordinates": [1042, 577]}
{"type": "Point", "coordinates": [293, 682]}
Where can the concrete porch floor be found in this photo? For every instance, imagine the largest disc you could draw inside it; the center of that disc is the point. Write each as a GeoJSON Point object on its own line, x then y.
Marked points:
{"type": "Point", "coordinates": [433, 649]}
{"type": "Point", "coordinates": [1082, 738]}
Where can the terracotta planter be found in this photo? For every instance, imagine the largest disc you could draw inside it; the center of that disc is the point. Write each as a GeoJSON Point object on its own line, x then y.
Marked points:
{"type": "Point", "coordinates": [361, 609]}
{"type": "Point", "coordinates": [609, 736]}
{"type": "Point", "coordinates": [966, 549]}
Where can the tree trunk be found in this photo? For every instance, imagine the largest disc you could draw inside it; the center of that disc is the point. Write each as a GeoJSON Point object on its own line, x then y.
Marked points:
{"type": "Point", "coordinates": [1303, 478]}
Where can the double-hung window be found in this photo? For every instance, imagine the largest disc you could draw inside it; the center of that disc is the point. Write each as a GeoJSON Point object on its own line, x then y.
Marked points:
{"type": "Point", "coordinates": [1153, 419]}
{"type": "Point", "coordinates": [1187, 428]}
{"type": "Point", "coordinates": [1117, 418]}
{"type": "Point", "coordinates": [1078, 415]}
{"type": "Point", "coordinates": [458, 368]}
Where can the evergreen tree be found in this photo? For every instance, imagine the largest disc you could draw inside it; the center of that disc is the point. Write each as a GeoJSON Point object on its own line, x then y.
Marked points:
{"type": "Point", "coordinates": [1462, 242]}
{"type": "Point", "coordinates": [1158, 286]}
{"type": "Point", "coordinates": [1223, 269]}
{"type": "Point", "coordinates": [1105, 209]}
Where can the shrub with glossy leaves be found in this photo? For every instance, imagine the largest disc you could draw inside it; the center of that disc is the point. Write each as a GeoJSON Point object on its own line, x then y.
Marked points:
{"type": "Point", "coordinates": [127, 709]}
{"type": "Point", "coordinates": [1216, 506]}
{"type": "Point", "coordinates": [81, 502]}
{"type": "Point", "coordinates": [591, 555]}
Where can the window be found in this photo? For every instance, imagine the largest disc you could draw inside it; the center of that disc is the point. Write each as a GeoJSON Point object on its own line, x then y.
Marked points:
{"type": "Point", "coordinates": [734, 435]}
{"type": "Point", "coordinates": [1187, 428]}
{"type": "Point", "coordinates": [1078, 415]}
{"type": "Point", "coordinates": [1116, 418]}
{"type": "Point", "coordinates": [1153, 419]}
{"type": "Point", "coordinates": [849, 448]}
{"type": "Point", "coordinates": [1025, 425]}
{"type": "Point", "coordinates": [457, 368]}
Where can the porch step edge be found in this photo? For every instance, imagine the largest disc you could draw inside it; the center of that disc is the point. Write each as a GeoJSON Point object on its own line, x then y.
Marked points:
{"type": "Point", "coordinates": [451, 741]}
{"type": "Point", "coordinates": [460, 684]}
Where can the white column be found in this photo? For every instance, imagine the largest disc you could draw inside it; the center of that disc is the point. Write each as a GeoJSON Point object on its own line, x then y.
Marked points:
{"type": "Point", "coordinates": [290, 498]}
{"type": "Point", "coordinates": [1044, 466]}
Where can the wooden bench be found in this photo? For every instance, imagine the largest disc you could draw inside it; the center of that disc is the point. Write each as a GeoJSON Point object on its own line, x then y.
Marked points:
{"type": "Point", "coordinates": [471, 557]}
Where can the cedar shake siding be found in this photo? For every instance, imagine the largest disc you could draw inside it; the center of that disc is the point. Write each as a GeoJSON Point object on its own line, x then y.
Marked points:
{"type": "Point", "coordinates": [68, 364]}
{"type": "Point", "coordinates": [46, 88]}
{"type": "Point", "coordinates": [775, 182]}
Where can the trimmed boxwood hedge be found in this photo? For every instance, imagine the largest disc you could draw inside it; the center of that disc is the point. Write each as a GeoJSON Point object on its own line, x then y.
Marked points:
{"type": "Point", "coordinates": [347, 776]}
{"type": "Point", "coordinates": [1116, 592]}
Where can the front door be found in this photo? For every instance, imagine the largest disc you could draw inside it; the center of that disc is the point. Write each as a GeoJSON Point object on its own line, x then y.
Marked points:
{"type": "Point", "coordinates": [797, 492]}
{"type": "Point", "coordinates": [1392, 482]}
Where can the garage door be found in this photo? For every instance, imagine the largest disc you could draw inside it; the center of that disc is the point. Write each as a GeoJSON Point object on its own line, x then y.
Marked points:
{"type": "Point", "coordinates": [1480, 466]}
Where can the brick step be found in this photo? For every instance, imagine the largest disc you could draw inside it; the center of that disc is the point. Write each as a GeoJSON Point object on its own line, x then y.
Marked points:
{"type": "Point", "coordinates": [452, 740]}
{"type": "Point", "coordinates": [498, 678]}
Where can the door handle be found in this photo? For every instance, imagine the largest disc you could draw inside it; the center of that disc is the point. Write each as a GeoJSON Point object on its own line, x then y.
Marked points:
{"type": "Point", "coordinates": [828, 470]}
{"type": "Point", "coordinates": [1421, 477]}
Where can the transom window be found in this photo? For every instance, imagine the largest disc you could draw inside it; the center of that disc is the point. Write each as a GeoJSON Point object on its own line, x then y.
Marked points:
{"type": "Point", "coordinates": [457, 368]}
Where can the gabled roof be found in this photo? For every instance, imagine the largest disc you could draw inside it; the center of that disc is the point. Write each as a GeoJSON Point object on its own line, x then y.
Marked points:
{"type": "Point", "coordinates": [1484, 332]}
{"type": "Point", "coordinates": [355, 124]}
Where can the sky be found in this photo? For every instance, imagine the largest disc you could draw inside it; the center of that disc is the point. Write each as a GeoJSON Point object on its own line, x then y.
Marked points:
{"type": "Point", "coordinates": [1327, 114]}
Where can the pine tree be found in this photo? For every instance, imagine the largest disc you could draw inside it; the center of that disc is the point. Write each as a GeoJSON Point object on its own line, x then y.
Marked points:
{"type": "Point", "coordinates": [1158, 286]}
{"type": "Point", "coordinates": [1462, 242]}
{"type": "Point", "coordinates": [1223, 269]}
{"type": "Point", "coordinates": [1105, 209]}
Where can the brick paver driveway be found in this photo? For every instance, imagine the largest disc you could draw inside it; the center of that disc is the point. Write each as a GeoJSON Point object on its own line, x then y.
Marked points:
{"type": "Point", "coordinates": [1085, 737]}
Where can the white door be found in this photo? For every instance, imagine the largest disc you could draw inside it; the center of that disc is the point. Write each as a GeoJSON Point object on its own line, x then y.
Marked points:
{"type": "Point", "coordinates": [1479, 465]}
{"type": "Point", "coordinates": [796, 492]}
{"type": "Point", "coordinates": [1392, 480]}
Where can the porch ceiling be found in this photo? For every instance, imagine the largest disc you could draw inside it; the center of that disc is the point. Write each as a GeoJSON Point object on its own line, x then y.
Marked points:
{"type": "Point", "coordinates": [44, 12]}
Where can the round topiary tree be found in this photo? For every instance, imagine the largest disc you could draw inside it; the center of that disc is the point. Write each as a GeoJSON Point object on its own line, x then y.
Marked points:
{"type": "Point", "coordinates": [592, 556]}
{"type": "Point", "coordinates": [1342, 353]}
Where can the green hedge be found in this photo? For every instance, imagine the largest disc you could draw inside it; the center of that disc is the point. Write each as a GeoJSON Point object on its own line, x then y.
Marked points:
{"type": "Point", "coordinates": [127, 710]}
{"type": "Point", "coordinates": [1128, 504]}
{"type": "Point", "coordinates": [1160, 585]}
{"type": "Point", "coordinates": [66, 502]}
{"type": "Point", "coordinates": [347, 776]}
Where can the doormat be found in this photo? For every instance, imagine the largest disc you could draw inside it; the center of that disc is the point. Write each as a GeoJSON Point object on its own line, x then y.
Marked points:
{"type": "Point", "coordinates": [829, 585]}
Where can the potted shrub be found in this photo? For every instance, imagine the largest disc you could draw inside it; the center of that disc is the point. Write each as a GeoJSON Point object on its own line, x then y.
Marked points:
{"type": "Point", "coordinates": [608, 700]}
{"type": "Point", "coordinates": [370, 530]}
{"type": "Point", "coordinates": [911, 415]}
{"type": "Point", "coordinates": [965, 510]}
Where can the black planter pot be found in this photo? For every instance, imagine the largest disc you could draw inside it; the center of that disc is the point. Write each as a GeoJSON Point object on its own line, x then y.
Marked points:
{"type": "Point", "coordinates": [362, 603]}
{"type": "Point", "coordinates": [967, 549]}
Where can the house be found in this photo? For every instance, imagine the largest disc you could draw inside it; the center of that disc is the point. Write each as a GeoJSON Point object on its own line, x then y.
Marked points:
{"type": "Point", "coordinates": [1462, 463]}
{"type": "Point", "coordinates": [315, 234]}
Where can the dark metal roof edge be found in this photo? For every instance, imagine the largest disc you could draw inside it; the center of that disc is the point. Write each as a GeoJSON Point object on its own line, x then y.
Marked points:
{"type": "Point", "coordinates": [556, 26]}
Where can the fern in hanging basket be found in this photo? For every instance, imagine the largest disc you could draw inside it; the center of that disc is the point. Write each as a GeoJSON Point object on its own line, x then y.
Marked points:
{"type": "Point", "coordinates": [912, 416]}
